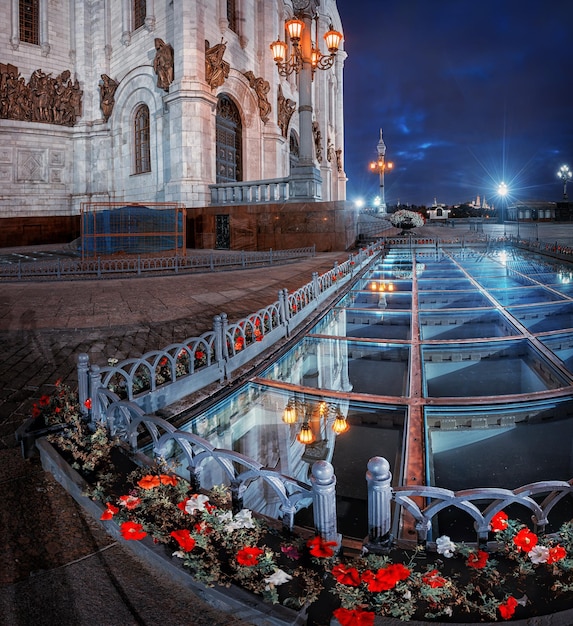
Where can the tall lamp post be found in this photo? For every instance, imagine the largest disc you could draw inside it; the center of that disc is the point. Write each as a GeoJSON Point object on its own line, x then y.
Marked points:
{"type": "Point", "coordinates": [502, 191]}
{"type": "Point", "coordinates": [564, 174]}
{"type": "Point", "coordinates": [381, 166]}
{"type": "Point", "coordinates": [305, 58]}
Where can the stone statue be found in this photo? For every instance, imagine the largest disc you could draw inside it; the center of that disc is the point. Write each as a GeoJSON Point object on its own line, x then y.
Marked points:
{"type": "Point", "coordinates": [163, 64]}
{"type": "Point", "coordinates": [285, 107]}
{"type": "Point", "coordinates": [330, 155]}
{"type": "Point", "coordinates": [261, 87]}
{"type": "Point", "coordinates": [216, 70]}
{"type": "Point", "coordinates": [339, 159]}
{"type": "Point", "coordinates": [107, 89]}
{"type": "Point", "coordinates": [317, 141]}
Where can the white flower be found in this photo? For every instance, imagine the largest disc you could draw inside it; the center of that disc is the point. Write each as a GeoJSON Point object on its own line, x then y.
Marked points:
{"type": "Point", "coordinates": [276, 579]}
{"type": "Point", "coordinates": [445, 546]}
{"type": "Point", "coordinates": [227, 516]}
{"type": "Point", "coordinates": [196, 503]}
{"type": "Point", "coordinates": [539, 554]}
{"type": "Point", "coordinates": [179, 554]}
{"type": "Point", "coordinates": [243, 519]}
{"type": "Point", "coordinates": [407, 594]}
{"type": "Point", "coordinates": [522, 601]}
{"type": "Point", "coordinates": [448, 611]}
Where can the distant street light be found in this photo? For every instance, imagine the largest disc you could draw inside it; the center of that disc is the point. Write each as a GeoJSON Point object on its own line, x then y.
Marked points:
{"type": "Point", "coordinates": [502, 191]}
{"type": "Point", "coordinates": [564, 174]}
{"type": "Point", "coordinates": [381, 166]}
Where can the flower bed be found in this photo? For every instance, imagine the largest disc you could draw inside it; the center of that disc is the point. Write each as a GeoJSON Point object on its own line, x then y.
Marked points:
{"type": "Point", "coordinates": [295, 573]}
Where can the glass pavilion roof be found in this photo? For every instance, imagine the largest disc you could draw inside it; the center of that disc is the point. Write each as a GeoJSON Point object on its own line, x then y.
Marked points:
{"type": "Point", "coordinates": [456, 366]}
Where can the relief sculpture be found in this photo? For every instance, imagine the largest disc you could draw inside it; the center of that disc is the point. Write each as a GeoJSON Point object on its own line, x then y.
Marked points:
{"type": "Point", "coordinates": [261, 87]}
{"type": "Point", "coordinates": [286, 108]}
{"type": "Point", "coordinates": [163, 64]}
{"type": "Point", "coordinates": [216, 69]}
{"type": "Point", "coordinates": [43, 99]}
{"type": "Point", "coordinates": [107, 88]}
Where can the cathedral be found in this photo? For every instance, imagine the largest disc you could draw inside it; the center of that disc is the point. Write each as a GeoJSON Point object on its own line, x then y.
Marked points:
{"type": "Point", "coordinates": [141, 102]}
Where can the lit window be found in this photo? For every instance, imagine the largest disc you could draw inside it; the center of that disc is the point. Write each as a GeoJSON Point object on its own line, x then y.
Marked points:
{"type": "Point", "coordinates": [29, 11]}
{"type": "Point", "coordinates": [141, 143]}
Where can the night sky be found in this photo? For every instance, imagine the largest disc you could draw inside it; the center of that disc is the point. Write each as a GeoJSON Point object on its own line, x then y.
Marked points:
{"type": "Point", "coordinates": [468, 93]}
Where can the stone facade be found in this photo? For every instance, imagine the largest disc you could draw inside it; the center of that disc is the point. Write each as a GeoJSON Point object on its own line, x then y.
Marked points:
{"type": "Point", "coordinates": [49, 169]}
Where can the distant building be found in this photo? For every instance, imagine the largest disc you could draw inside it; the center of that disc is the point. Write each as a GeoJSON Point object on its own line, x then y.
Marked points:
{"type": "Point", "coordinates": [438, 211]}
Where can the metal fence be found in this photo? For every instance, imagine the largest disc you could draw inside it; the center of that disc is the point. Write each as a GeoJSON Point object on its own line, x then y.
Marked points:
{"type": "Point", "coordinates": [72, 269]}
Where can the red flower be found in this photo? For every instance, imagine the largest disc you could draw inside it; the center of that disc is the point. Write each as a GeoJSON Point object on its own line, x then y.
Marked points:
{"type": "Point", "coordinates": [202, 528]}
{"type": "Point", "coordinates": [88, 404]}
{"type": "Point", "coordinates": [477, 560]}
{"type": "Point", "coordinates": [525, 540]}
{"type": "Point", "coordinates": [132, 530]}
{"type": "Point", "coordinates": [36, 410]}
{"type": "Point", "coordinates": [290, 552]}
{"type": "Point", "coordinates": [507, 608]}
{"type": "Point", "coordinates": [109, 512]}
{"type": "Point", "coordinates": [346, 575]}
{"type": "Point", "coordinates": [129, 502]}
{"type": "Point", "coordinates": [354, 617]}
{"type": "Point", "coordinates": [556, 554]}
{"type": "Point", "coordinates": [163, 362]}
{"type": "Point", "coordinates": [498, 522]}
{"type": "Point", "coordinates": [184, 539]}
{"type": "Point", "coordinates": [433, 579]}
{"type": "Point", "coordinates": [149, 482]}
{"type": "Point", "coordinates": [321, 549]}
{"type": "Point", "coordinates": [386, 577]}
{"type": "Point", "coordinates": [199, 354]}
{"type": "Point", "coordinates": [249, 556]}
{"type": "Point", "coordinates": [168, 479]}
{"type": "Point", "coordinates": [44, 400]}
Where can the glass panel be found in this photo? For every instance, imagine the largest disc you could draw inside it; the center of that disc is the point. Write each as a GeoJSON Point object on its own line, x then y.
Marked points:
{"type": "Point", "coordinates": [487, 369]}
{"type": "Point", "coordinates": [447, 326]}
{"type": "Point", "coordinates": [365, 324]}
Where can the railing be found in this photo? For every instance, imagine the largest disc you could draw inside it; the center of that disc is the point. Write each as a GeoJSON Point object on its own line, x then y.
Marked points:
{"type": "Point", "coordinates": [251, 192]}
{"type": "Point", "coordinates": [100, 268]}
{"type": "Point", "coordinates": [161, 377]}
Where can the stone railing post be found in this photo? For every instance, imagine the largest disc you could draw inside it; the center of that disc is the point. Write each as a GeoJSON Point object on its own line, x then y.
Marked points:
{"type": "Point", "coordinates": [315, 285]}
{"type": "Point", "coordinates": [83, 382]}
{"type": "Point", "coordinates": [223, 335]}
{"type": "Point", "coordinates": [379, 480]}
{"type": "Point", "coordinates": [217, 329]}
{"type": "Point", "coordinates": [283, 306]}
{"type": "Point", "coordinates": [323, 483]}
{"type": "Point", "coordinates": [96, 413]}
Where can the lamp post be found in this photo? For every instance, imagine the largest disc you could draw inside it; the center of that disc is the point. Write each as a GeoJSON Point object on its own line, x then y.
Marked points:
{"type": "Point", "coordinates": [381, 166]}
{"type": "Point", "coordinates": [502, 192]}
{"type": "Point", "coordinates": [564, 174]}
{"type": "Point", "coordinates": [305, 58]}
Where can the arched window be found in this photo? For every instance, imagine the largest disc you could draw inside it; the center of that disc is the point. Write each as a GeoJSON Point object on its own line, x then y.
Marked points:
{"type": "Point", "coordinates": [141, 140]}
{"type": "Point", "coordinates": [29, 11]}
{"type": "Point", "coordinates": [229, 142]}
{"type": "Point", "coordinates": [139, 13]}
{"type": "Point", "coordinates": [232, 15]}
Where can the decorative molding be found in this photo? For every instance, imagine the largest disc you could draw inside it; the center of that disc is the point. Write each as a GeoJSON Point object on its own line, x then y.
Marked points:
{"type": "Point", "coordinates": [31, 166]}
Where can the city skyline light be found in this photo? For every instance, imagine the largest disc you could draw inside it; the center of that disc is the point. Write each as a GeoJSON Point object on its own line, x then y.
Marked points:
{"type": "Point", "coordinates": [468, 95]}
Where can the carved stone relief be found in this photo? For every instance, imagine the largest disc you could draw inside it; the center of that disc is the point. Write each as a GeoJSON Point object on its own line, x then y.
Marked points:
{"type": "Point", "coordinates": [261, 87]}
{"type": "Point", "coordinates": [43, 99]}
{"type": "Point", "coordinates": [163, 64]}
{"type": "Point", "coordinates": [31, 166]}
{"type": "Point", "coordinates": [216, 69]}
{"type": "Point", "coordinates": [107, 89]}
{"type": "Point", "coordinates": [285, 109]}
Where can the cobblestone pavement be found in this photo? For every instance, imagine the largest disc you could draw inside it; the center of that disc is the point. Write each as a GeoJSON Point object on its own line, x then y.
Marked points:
{"type": "Point", "coordinates": [57, 566]}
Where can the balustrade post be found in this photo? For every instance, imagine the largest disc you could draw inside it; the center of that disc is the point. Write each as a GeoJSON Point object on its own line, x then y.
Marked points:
{"type": "Point", "coordinates": [83, 367]}
{"type": "Point", "coordinates": [315, 285]}
{"type": "Point", "coordinates": [283, 317]}
{"type": "Point", "coordinates": [379, 480]}
{"type": "Point", "coordinates": [323, 483]}
{"type": "Point", "coordinates": [224, 327]}
{"type": "Point", "coordinates": [217, 329]}
{"type": "Point", "coordinates": [96, 413]}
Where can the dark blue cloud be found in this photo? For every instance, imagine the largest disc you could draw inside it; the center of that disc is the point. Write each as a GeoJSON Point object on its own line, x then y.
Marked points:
{"type": "Point", "coordinates": [468, 94]}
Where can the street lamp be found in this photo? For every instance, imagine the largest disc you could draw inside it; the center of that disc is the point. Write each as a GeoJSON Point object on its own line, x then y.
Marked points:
{"type": "Point", "coordinates": [305, 58]}
{"type": "Point", "coordinates": [564, 174]}
{"type": "Point", "coordinates": [381, 166]}
{"type": "Point", "coordinates": [502, 191]}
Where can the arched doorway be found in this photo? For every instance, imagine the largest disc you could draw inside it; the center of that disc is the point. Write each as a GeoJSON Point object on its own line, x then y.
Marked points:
{"type": "Point", "coordinates": [229, 141]}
